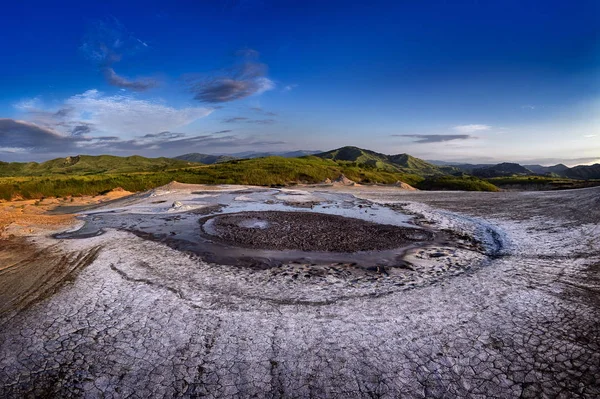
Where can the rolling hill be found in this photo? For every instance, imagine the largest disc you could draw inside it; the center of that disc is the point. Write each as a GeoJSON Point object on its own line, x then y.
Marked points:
{"type": "Point", "coordinates": [208, 159]}
{"type": "Point", "coordinates": [403, 163]}
{"type": "Point", "coordinates": [90, 165]}
{"type": "Point", "coordinates": [502, 170]}
{"type": "Point", "coordinates": [584, 172]}
{"type": "Point", "coordinates": [558, 170]}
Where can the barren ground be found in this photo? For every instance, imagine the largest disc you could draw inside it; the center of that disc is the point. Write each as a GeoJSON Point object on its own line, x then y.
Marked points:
{"type": "Point", "coordinates": [135, 307]}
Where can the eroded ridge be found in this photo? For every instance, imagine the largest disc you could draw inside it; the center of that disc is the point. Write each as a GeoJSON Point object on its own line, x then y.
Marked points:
{"type": "Point", "coordinates": [147, 320]}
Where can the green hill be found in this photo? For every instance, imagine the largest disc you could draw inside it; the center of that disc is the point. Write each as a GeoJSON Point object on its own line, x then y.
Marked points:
{"type": "Point", "coordinates": [584, 172]}
{"type": "Point", "coordinates": [90, 165]}
{"type": "Point", "coordinates": [402, 163]}
{"type": "Point", "coordinates": [206, 159]}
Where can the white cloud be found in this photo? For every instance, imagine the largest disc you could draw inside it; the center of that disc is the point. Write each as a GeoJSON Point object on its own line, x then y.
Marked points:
{"type": "Point", "coordinates": [28, 104]}
{"type": "Point", "coordinates": [471, 128]}
{"type": "Point", "coordinates": [589, 136]}
{"type": "Point", "coordinates": [127, 115]}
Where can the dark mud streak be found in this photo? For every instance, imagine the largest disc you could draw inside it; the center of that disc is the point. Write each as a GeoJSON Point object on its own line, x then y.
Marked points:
{"type": "Point", "coordinates": [52, 269]}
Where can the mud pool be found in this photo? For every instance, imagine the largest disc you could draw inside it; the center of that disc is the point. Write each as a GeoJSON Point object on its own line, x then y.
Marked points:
{"type": "Point", "coordinates": [268, 228]}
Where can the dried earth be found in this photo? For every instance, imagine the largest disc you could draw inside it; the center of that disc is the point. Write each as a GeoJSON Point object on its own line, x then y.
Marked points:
{"type": "Point", "coordinates": [510, 307]}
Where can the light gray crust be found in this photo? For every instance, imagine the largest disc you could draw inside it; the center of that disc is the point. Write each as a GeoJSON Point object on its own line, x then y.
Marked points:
{"type": "Point", "coordinates": [144, 320]}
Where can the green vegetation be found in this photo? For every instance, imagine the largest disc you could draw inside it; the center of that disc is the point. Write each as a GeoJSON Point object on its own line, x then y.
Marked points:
{"type": "Point", "coordinates": [463, 183]}
{"type": "Point", "coordinates": [92, 175]}
{"type": "Point", "coordinates": [270, 171]}
{"type": "Point", "coordinates": [91, 165]}
{"type": "Point", "coordinates": [402, 163]}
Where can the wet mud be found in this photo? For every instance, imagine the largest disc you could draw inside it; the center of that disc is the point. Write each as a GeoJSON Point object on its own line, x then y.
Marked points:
{"type": "Point", "coordinates": [309, 231]}
{"type": "Point", "coordinates": [267, 239]}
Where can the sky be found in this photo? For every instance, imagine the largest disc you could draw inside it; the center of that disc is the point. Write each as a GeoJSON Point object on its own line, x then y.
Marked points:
{"type": "Point", "coordinates": [463, 81]}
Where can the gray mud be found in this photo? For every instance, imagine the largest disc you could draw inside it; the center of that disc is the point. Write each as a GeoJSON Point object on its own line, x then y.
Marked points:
{"type": "Point", "coordinates": [262, 239]}
{"type": "Point", "coordinates": [307, 231]}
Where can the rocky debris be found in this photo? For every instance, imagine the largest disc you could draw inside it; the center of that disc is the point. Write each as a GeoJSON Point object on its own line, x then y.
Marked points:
{"type": "Point", "coordinates": [70, 161]}
{"type": "Point", "coordinates": [326, 181]}
{"type": "Point", "coordinates": [176, 205]}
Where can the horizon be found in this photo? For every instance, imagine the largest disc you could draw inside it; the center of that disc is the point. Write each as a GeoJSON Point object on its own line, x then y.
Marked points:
{"type": "Point", "coordinates": [485, 83]}
{"type": "Point", "coordinates": [243, 154]}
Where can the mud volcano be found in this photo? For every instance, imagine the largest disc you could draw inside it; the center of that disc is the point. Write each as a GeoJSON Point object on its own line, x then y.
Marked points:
{"type": "Point", "coordinates": [308, 231]}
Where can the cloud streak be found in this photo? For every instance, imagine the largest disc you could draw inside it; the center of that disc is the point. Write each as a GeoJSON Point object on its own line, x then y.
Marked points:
{"type": "Point", "coordinates": [106, 43]}
{"type": "Point", "coordinates": [435, 138]}
{"type": "Point", "coordinates": [124, 83]}
{"type": "Point", "coordinates": [471, 128]}
{"type": "Point", "coordinates": [246, 78]}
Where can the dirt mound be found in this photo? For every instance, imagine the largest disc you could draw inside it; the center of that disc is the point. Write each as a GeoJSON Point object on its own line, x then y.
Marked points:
{"type": "Point", "coordinates": [344, 181]}
{"type": "Point", "coordinates": [404, 186]}
{"type": "Point", "coordinates": [117, 192]}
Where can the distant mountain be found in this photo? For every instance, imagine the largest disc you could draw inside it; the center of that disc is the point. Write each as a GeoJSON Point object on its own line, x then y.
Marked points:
{"type": "Point", "coordinates": [90, 165]}
{"type": "Point", "coordinates": [502, 170]}
{"type": "Point", "coordinates": [208, 159]}
{"type": "Point", "coordinates": [559, 170]}
{"type": "Point", "coordinates": [465, 167]}
{"type": "Point", "coordinates": [285, 154]}
{"type": "Point", "coordinates": [205, 158]}
{"type": "Point", "coordinates": [394, 163]}
{"type": "Point", "coordinates": [584, 172]}
{"type": "Point", "coordinates": [470, 167]}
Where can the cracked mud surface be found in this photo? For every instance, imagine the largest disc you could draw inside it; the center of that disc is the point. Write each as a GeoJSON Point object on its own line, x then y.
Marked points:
{"type": "Point", "coordinates": [143, 319]}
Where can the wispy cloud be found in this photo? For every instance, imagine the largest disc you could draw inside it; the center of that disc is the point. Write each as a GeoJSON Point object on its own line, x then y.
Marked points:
{"type": "Point", "coordinates": [121, 115]}
{"type": "Point", "coordinates": [262, 121]}
{"type": "Point", "coordinates": [529, 107]}
{"type": "Point", "coordinates": [471, 128]}
{"type": "Point", "coordinates": [243, 119]}
{"type": "Point", "coordinates": [589, 136]}
{"type": "Point", "coordinates": [236, 119]}
{"type": "Point", "coordinates": [105, 43]}
{"type": "Point", "coordinates": [246, 78]}
{"type": "Point", "coordinates": [262, 111]}
{"type": "Point", "coordinates": [289, 87]}
{"type": "Point", "coordinates": [127, 114]}
{"type": "Point", "coordinates": [21, 140]}
{"type": "Point", "coordinates": [124, 83]}
{"type": "Point", "coordinates": [435, 138]}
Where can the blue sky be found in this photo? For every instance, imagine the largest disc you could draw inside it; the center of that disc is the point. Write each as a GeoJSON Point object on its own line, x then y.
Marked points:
{"type": "Point", "coordinates": [479, 81]}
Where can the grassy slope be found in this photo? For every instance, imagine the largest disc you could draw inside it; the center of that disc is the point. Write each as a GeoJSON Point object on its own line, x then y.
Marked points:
{"type": "Point", "coordinates": [270, 171]}
{"type": "Point", "coordinates": [403, 163]}
{"type": "Point", "coordinates": [90, 165]}
{"type": "Point", "coordinates": [205, 158]}
{"type": "Point", "coordinates": [462, 183]}
{"type": "Point", "coordinates": [88, 175]}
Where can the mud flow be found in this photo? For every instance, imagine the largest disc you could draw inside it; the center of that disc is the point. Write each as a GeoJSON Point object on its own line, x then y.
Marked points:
{"type": "Point", "coordinates": [267, 228]}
